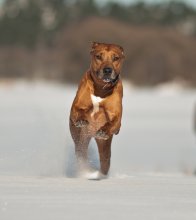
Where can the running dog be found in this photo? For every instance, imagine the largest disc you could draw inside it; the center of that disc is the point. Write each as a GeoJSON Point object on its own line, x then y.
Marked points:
{"type": "Point", "coordinates": [97, 108]}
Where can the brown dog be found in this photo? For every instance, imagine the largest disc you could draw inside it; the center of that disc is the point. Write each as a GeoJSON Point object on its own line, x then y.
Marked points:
{"type": "Point", "coordinates": [97, 108]}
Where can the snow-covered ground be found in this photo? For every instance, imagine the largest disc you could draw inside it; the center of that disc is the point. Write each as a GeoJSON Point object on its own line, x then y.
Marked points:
{"type": "Point", "coordinates": [142, 197]}
{"type": "Point", "coordinates": [153, 157]}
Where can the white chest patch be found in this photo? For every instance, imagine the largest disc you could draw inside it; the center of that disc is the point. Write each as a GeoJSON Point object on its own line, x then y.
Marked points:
{"type": "Point", "coordinates": [95, 100]}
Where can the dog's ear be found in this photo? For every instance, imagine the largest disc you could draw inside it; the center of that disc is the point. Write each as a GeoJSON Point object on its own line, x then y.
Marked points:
{"type": "Point", "coordinates": [94, 45]}
{"type": "Point", "coordinates": [122, 51]}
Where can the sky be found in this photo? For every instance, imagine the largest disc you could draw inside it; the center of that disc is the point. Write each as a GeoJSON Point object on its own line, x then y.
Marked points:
{"type": "Point", "coordinates": [190, 2]}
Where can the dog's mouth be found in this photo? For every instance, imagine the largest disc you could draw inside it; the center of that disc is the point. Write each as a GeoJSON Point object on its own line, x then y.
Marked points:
{"type": "Point", "coordinates": [107, 80]}
{"type": "Point", "coordinates": [110, 80]}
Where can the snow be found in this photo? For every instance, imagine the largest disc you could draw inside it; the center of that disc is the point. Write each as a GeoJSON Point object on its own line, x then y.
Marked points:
{"type": "Point", "coordinates": [136, 197]}
{"type": "Point", "coordinates": [153, 157]}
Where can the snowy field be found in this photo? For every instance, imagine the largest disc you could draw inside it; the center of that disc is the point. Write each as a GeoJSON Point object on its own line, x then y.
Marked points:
{"type": "Point", "coordinates": [153, 157]}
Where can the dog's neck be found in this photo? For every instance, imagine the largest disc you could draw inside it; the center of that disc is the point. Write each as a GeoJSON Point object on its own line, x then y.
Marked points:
{"type": "Point", "coordinates": [102, 89]}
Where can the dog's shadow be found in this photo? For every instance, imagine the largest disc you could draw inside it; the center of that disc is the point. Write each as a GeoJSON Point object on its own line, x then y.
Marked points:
{"type": "Point", "coordinates": [71, 165]}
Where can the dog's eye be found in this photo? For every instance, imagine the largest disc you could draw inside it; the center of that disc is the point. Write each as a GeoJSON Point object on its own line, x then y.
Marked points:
{"type": "Point", "coordinates": [98, 57]}
{"type": "Point", "coordinates": [116, 58]}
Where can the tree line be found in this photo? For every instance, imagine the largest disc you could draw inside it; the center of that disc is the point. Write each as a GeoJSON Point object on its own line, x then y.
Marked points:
{"type": "Point", "coordinates": [32, 22]}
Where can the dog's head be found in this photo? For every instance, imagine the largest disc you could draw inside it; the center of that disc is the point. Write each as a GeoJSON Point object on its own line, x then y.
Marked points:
{"type": "Point", "coordinates": [106, 62]}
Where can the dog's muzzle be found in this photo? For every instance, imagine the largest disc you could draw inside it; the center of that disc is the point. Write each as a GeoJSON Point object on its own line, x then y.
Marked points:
{"type": "Point", "coordinates": [108, 75]}
{"type": "Point", "coordinates": [107, 70]}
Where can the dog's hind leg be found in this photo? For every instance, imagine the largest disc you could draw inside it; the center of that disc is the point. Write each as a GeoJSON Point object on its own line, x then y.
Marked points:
{"type": "Point", "coordinates": [104, 147]}
{"type": "Point", "coordinates": [81, 139]}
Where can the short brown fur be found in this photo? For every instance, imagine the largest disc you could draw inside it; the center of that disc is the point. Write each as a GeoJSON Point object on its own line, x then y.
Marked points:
{"type": "Point", "coordinates": [84, 122]}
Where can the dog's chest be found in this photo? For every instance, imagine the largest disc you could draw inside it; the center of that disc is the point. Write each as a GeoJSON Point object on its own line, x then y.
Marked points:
{"type": "Point", "coordinates": [96, 100]}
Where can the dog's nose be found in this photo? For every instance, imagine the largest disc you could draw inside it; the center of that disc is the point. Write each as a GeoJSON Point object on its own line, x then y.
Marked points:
{"type": "Point", "coordinates": [107, 70]}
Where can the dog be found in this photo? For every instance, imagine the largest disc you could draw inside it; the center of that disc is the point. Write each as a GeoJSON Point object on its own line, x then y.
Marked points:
{"type": "Point", "coordinates": [96, 111]}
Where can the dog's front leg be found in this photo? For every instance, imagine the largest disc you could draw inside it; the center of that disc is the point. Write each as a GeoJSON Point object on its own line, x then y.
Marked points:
{"type": "Point", "coordinates": [78, 116]}
{"type": "Point", "coordinates": [81, 139]}
{"type": "Point", "coordinates": [80, 133]}
{"type": "Point", "coordinates": [112, 126]}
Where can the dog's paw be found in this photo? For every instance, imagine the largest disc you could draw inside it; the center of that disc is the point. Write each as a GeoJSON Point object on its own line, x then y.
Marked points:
{"type": "Point", "coordinates": [81, 123]}
{"type": "Point", "coordinates": [97, 175]}
{"type": "Point", "coordinates": [101, 135]}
